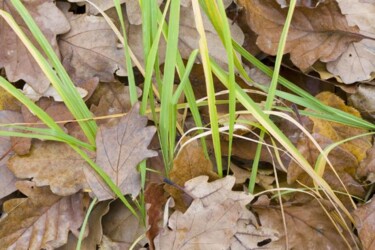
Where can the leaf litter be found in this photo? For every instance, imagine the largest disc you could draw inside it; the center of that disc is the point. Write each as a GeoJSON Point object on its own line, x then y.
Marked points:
{"type": "Point", "coordinates": [193, 208]}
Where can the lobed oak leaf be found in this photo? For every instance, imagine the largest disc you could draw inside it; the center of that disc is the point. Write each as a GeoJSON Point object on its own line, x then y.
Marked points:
{"type": "Point", "coordinates": [189, 163]}
{"type": "Point", "coordinates": [366, 168]}
{"type": "Point", "coordinates": [357, 63]}
{"type": "Point", "coordinates": [315, 34]}
{"type": "Point", "coordinates": [216, 219]}
{"type": "Point", "coordinates": [308, 227]}
{"type": "Point", "coordinates": [15, 58]}
{"type": "Point", "coordinates": [364, 217]}
{"type": "Point", "coordinates": [90, 48]}
{"type": "Point", "coordinates": [120, 148]}
{"type": "Point", "coordinates": [46, 165]}
{"type": "Point", "coordinates": [43, 220]}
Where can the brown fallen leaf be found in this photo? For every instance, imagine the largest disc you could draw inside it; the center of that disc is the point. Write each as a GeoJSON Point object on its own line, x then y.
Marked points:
{"type": "Point", "coordinates": [364, 217]}
{"type": "Point", "coordinates": [308, 227]}
{"type": "Point", "coordinates": [366, 168]}
{"type": "Point", "coordinates": [15, 58]}
{"type": "Point", "coordinates": [321, 33]}
{"type": "Point", "coordinates": [46, 165]}
{"type": "Point", "coordinates": [357, 63]}
{"type": "Point", "coordinates": [189, 37]}
{"type": "Point", "coordinates": [217, 219]}
{"type": "Point", "coordinates": [90, 48]}
{"type": "Point", "coordinates": [120, 148]}
{"type": "Point", "coordinates": [120, 227]}
{"type": "Point", "coordinates": [7, 178]}
{"type": "Point", "coordinates": [189, 163]}
{"type": "Point", "coordinates": [111, 98]}
{"type": "Point", "coordinates": [303, 3]}
{"type": "Point", "coordinates": [155, 198]}
{"type": "Point", "coordinates": [337, 131]}
{"type": "Point", "coordinates": [364, 101]}
{"type": "Point", "coordinates": [43, 220]}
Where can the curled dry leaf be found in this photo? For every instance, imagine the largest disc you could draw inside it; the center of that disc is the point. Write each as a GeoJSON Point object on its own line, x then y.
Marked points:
{"type": "Point", "coordinates": [7, 178]}
{"type": "Point", "coordinates": [364, 217]}
{"type": "Point", "coordinates": [41, 221]}
{"type": "Point", "coordinates": [189, 163]}
{"type": "Point", "coordinates": [14, 57]}
{"type": "Point", "coordinates": [315, 34]}
{"type": "Point", "coordinates": [308, 227]}
{"type": "Point", "coordinates": [91, 48]}
{"type": "Point", "coordinates": [46, 165]}
{"type": "Point", "coordinates": [120, 148]}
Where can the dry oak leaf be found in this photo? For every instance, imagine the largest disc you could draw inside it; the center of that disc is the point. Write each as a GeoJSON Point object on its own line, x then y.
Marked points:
{"type": "Point", "coordinates": [337, 132]}
{"type": "Point", "coordinates": [14, 57]}
{"type": "Point", "coordinates": [308, 227]}
{"type": "Point", "coordinates": [364, 101]}
{"type": "Point", "coordinates": [120, 227]}
{"type": "Point", "coordinates": [120, 148]}
{"type": "Point", "coordinates": [189, 36]}
{"type": "Point", "coordinates": [47, 165]}
{"type": "Point", "coordinates": [189, 163]}
{"type": "Point", "coordinates": [366, 168]}
{"type": "Point", "coordinates": [357, 63]}
{"type": "Point", "coordinates": [91, 49]}
{"type": "Point", "coordinates": [364, 221]}
{"type": "Point", "coordinates": [43, 220]}
{"type": "Point", "coordinates": [7, 178]}
{"type": "Point", "coordinates": [209, 222]}
{"type": "Point", "coordinates": [315, 34]}
{"type": "Point", "coordinates": [343, 161]}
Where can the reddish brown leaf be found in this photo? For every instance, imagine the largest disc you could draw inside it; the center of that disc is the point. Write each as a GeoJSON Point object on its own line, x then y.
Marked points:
{"type": "Point", "coordinates": [364, 218]}
{"type": "Point", "coordinates": [15, 58]}
{"type": "Point", "coordinates": [42, 220]}
{"type": "Point", "coordinates": [120, 148]}
{"type": "Point", "coordinates": [155, 197]}
{"type": "Point", "coordinates": [315, 34]}
{"type": "Point", "coordinates": [47, 165]}
{"type": "Point", "coordinates": [189, 163]}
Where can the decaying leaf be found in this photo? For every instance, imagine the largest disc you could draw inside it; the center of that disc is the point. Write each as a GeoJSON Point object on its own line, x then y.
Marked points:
{"type": "Point", "coordinates": [14, 57]}
{"type": "Point", "coordinates": [120, 148]}
{"type": "Point", "coordinates": [7, 178]}
{"type": "Point", "coordinates": [189, 163]}
{"type": "Point", "coordinates": [91, 48]}
{"type": "Point", "coordinates": [189, 37]}
{"type": "Point", "coordinates": [46, 165]}
{"type": "Point", "coordinates": [216, 219]}
{"type": "Point", "coordinates": [111, 98]}
{"type": "Point", "coordinates": [43, 220]}
{"type": "Point", "coordinates": [364, 217]}
{"type": "Point", "coordinates": [364, 101]}
{"type": "Point", "coordinates": [209, 222]}
{"type": "Point", "coordinates": [345, 158]}
{"type": "Point", "coordinates": [50, 92]}
{"type": "Point", "coordinates": [308, 227]}
{"type": "Point", "coordinates": [315, 34]}
{"type": "Point", "coordinates": [337, 132]}
{"type": "Point", "coordinates": [366, 168]}
{"type": "Point", "coordinates": [357, 63]}
{"type": "Point", "coordinates": [121, 227]}
{"type": "Point", "coordinates": [155, 198]}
